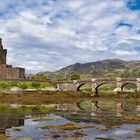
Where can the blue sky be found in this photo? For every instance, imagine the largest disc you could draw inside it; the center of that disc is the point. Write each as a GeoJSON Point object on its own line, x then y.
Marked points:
{"type": "Point", "coordinates": [46, 35]}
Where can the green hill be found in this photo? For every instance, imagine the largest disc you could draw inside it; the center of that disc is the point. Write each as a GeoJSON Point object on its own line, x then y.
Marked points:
{"type": "Point", "coordinates": [105, 68]}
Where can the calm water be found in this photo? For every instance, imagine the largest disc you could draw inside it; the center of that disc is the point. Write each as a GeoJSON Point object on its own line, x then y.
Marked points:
{"type": "Point", "coordinates": [108, 120]}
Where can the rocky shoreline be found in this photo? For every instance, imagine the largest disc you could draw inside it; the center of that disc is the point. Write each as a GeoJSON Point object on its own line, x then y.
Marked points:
{"type": "Point", "coordinates": [19, 90]}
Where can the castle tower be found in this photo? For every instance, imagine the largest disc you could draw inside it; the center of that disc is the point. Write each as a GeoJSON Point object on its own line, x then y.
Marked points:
{"type": "Point", "coordinates": [3, 53]}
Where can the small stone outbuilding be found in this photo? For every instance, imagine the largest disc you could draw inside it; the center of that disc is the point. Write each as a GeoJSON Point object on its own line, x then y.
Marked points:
{"type": "Point", "coordinates": [7, 71]}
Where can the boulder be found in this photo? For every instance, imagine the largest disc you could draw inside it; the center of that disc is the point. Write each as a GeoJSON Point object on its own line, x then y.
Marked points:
{"type": "Point", "coordinates": [49, 89]}
{"type": "Point", "coordinates": [15, 89]}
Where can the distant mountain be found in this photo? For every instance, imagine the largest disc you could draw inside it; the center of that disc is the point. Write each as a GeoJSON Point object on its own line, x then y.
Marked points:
{"type": "Point", "coordinates": [105, 68]}
{"type": "Point", "coordinates": [44, 72]}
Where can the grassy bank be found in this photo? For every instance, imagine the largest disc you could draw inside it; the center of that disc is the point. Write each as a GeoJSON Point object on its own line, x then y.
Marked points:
{"type": "Point", "coordinates": [38, 98]}
{"type": "Point", "coordinates": [43, 97]}
{"type": "Point", "coordinates": [6, 85]}
{"type": "Point", "coordinates": [119, 95]}
{"type": "Point", "coordinates": [5, 108]}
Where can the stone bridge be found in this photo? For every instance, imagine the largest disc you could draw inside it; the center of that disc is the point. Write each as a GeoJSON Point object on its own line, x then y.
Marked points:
{"type": "Point", "coordinates": [95, 83]}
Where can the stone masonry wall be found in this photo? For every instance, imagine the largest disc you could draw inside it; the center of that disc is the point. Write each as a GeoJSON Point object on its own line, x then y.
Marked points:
{"type": "Point", "coordinates": [12, 73]}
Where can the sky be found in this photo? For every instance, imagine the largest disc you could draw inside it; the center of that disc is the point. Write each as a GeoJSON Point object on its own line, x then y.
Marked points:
{"type": "Point", "coordinates": [46, 35]}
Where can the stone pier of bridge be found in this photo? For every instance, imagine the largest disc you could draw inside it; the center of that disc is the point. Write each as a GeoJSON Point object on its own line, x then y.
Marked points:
{"type": "Point", "coordinates": [97, 82]}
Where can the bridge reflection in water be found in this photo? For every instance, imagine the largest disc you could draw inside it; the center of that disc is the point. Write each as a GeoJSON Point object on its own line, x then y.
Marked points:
{"type": "Point", "coordinates": [9, 121]}
{"type": "Point", "coordinates": [97, 108]}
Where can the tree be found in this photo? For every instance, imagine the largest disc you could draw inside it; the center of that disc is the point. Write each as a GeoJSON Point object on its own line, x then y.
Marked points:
{"type": "Point", "coordinates": [75, 77]}
{"type": "Point", "coordinates": [39, 77]}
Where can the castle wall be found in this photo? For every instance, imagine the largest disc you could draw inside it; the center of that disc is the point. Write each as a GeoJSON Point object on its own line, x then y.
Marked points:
{"type": "Point", "coordinates": [12, 73]}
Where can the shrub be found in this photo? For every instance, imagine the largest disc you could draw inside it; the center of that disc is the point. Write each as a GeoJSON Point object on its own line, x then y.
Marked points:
{"type": "Point", "coordinates": [75, 77]}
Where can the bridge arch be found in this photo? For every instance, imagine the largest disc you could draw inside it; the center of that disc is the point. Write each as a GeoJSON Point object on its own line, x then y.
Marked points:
{"type": "Point", "coordinates": [104, 83]}
{"type": "Point", "coordinates": [132, 85]}
{"type": "Point", "coordinates": [80, 85]}
{"type": "Point", "coordinates": [96, 89]}
{"type": "Point", "coordinates": [84, 87]}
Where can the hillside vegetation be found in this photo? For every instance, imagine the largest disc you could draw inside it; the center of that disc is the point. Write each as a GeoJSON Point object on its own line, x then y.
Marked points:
{"type": "Point", "coordinates": [105, 68]}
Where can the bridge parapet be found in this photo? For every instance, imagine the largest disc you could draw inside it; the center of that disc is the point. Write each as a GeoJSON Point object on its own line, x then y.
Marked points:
{"type": "Point", "coordinates": [128, 79]}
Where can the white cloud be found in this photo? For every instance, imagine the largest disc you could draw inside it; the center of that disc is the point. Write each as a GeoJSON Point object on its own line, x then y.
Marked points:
{"type": "Point", "coordinates": [54, 34]}
{"type": "Point", "coordinates": [122, 52]}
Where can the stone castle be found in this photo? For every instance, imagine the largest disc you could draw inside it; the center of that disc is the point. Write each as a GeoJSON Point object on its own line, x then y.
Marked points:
{"type": "Point", "coordinates": [7, 71]}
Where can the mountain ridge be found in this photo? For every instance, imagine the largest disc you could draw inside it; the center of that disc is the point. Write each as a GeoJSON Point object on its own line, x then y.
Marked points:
{"type": "Point", "coordinates": [104, 68]}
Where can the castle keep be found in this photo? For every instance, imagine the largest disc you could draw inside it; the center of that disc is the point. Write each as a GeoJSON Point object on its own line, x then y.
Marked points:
{"type": "Point", "coordinates": [7, 71]}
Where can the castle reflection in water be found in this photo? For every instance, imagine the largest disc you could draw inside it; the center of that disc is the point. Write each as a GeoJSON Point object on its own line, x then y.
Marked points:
{"type": "Point", "coordinates": [9, 121]}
